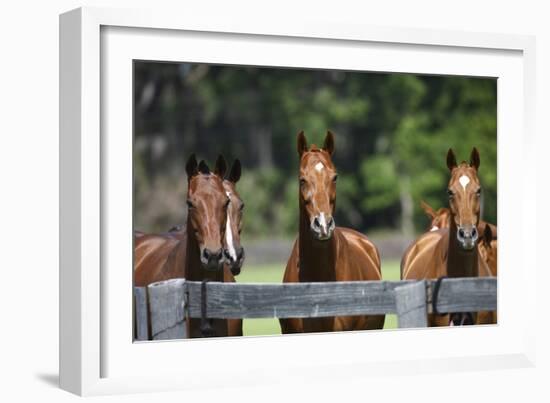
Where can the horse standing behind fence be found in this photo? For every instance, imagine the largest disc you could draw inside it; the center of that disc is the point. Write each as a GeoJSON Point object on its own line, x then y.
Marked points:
{"type": "Point", "coordinates": [324, 252]}
{"type": "Point", "coordinates": [196, 252]}
{"type": "Point", "coordinates": [233, 250]}
{"type": "Point", "coordinates": [452, 252]}
{"type": "Point", "coordinates": [487, 247]}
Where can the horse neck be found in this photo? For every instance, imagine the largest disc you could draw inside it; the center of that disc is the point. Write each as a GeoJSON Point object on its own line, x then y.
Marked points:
{"type": "Point", "coordinates": [193, 265]}
{"type": "Point", "coordinates": [317, 261]}
{"type": "Point", "coordinates": [460, 263]}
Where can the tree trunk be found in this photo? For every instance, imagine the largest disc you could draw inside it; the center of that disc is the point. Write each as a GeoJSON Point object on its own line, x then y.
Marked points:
{"type": "Point", "coordinates": [407, 206]}
{"type": "Point", "coordinates": [264, 148]}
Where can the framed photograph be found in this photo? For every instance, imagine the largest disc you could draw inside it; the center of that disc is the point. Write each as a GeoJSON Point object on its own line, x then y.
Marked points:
{"type": "Point", "coordinates": [178, 133]}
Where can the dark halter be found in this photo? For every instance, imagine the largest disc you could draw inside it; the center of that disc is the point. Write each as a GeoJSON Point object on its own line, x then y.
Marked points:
{"type": "Point", "coordinates": [435, 296]}
{"type": "Point", "coordinates": [206, 324]}
{"type": "Point", "coordinates": [462, 318]}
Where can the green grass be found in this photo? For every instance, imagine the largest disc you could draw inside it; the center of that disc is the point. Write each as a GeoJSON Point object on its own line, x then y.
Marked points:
{"type": "Point", "coordinates": [273, 273]}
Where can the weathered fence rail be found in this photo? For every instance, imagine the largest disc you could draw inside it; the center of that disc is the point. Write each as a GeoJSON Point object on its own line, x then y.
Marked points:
{"type": "Point", "coordinates": [162, 308]}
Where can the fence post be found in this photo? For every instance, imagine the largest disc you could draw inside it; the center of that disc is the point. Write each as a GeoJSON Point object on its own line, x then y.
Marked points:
{"type": "Point", "coordinates": [410, 304]}
{"type": "Point", "coordinates": [168, 309]}
{"type": "Point", "coordinates": [141, 313]}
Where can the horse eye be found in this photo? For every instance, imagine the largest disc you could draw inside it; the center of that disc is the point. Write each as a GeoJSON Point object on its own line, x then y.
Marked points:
{"type": "Point", "coordinates": [302, 181]}
{"type": "Point", "coordinates": [478, 192]}
{"type": "Point", "coordinates": [189, 204]}
{"type": "Point", "coordinates": [450, 193]}
{"type": "Point", "coordinates": [242, 207]}
{"type": "Point", "coordinates": [335, 178]}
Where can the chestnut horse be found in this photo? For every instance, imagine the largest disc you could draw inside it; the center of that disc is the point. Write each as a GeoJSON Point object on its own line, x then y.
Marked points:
{"type": "Point", "coordinates": [452, 251]}
{"type": "Point", "coordinates": [324, 252]}
{"type": "Point", "coordinates": [487, 247]}
{"type": "Point", "coordinates": [196, 253]}
{"type": "Point", "coordinates": [440, 218]}
{"type": "Point", "coordinates": [233, 250]}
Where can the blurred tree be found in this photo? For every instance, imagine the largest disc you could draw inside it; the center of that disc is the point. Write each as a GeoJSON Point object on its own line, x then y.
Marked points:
{"type": "Point", "coordinates": [392, 135]}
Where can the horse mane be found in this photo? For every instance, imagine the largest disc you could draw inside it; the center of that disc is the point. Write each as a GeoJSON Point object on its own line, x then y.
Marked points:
{"type": "Point", "coordinates": [315, 149]}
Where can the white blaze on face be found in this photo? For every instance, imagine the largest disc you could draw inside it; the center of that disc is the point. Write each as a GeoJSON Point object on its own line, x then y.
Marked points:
{"type": "Point", "coordinates": [464, 180]}
{"type": "Point", "coordinates": [322, 221]}
{"type": "Point", "coordinates": [229, 234]}
{"type": "Point", "coordinates": [319, 167]}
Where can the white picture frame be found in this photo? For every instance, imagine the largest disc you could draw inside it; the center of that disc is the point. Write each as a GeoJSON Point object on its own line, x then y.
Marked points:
{"type": "Point", "coordinates": [96, 354]}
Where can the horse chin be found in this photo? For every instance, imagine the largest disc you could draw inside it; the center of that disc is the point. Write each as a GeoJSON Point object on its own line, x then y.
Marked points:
{"type": "Point", "coordinates": [213, 267]}
{"type": "Point", "coordinates": [322, 238]}
{"type": "Point", "coordinates": [234, 265]}
{"type": "Point", "coordinates": [236, 269]}
{"type": "Point", "coordinates": [468, 246]}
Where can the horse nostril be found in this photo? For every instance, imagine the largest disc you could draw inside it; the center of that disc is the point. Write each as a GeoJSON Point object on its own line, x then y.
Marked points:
{"type": "Point", "coordinates": [316, 223]}
{"type": "Point", "coordinates": [212, 256]}
{"type": "Point", "coordinates": [461, 233]}
{"type": "Point", "coordinates": [240, 253]}
{"type": "Point", "coordinates": [474, 233]}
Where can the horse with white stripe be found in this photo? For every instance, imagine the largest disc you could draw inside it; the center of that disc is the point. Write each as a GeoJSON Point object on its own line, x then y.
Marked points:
{"type": "Point", "coordinates": [323, 251]}
{"type": "Point", "coordinates": [452, 251]}
{"type": "Point", "coordinates": [197, 251]}
{"type": "Point", "coordinates": [488, 244]}
{"type": "Point", "coordinates": [233, 250]}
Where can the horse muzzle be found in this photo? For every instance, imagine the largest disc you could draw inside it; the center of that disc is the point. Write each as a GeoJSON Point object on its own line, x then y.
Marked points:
{"type": "Point", "coordinates": [322, 227]}
{"type": "Point", "coordinates": [235, 262]}
{"type": "Point", "coordinates": [212, 260]}
{"type": "Point", "coordinates": [467, 236]}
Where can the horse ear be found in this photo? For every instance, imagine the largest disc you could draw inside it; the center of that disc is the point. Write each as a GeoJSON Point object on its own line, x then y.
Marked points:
{"type": "Point", "coordinates": [329, 142]}
{"type": "Point", "coordinates": [302, 143]}
{"type": "Point", "coordinates": [487, 235]}
{"type": "Point", "coordinates": [221, 166]}
{"type": "Point", "coordinates": [427, 209]}
{"type": "Point", "coordinates": [235, 173]}
{"type": "Point", "coordinates": [451, 160]}
{"type": "Point", "coordinates": [191, 166]}
{"type": "Point", "coordinates": [203, 168]}
{"type": "Point", "coordinates": [474, 158]}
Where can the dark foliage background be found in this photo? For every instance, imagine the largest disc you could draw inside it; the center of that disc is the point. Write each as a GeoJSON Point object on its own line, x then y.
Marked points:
{"type": "Point", "coordinates": [392, 134]}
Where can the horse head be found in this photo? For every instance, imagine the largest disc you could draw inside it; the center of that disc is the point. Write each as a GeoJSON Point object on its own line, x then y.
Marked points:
{"type": "Point", "coordinates": [234, 252]}
{"type": "Point", "coordinates": [318, 185]}
{"type": "Point", "coordinates": [464, 191]}
{"type": "Point", "coordinates": [439, 219]}
{"type": "Point", "coordinates": [207, 205]}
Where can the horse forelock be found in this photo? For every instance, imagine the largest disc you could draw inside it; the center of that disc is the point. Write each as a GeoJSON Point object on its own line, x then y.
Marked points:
{"type": "Point", "coordinates": [206, 181]}
{"type": "Point", "coordinates": [464, 170]}
{"type": "Point", "coordinates": [312, 158]}
{"type": "Point", "coordinates": [232, 188]}
{"type": "Point", "coordinates": [314, 148]}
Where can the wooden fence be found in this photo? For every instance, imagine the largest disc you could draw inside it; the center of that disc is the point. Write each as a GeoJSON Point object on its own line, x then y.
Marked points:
{"type": "Point", "coordinates": [162, 308]}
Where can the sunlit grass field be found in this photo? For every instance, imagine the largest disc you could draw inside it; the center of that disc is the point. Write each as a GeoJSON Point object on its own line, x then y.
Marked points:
{"type": "Point", "coordinates": [273, 273]}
